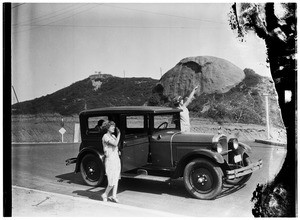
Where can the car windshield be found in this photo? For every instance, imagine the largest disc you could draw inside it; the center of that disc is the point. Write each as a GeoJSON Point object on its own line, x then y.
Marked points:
{"type": "Point", "coordinates": [166, 121]}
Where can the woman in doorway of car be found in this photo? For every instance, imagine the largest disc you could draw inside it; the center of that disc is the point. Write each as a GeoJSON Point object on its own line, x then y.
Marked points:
{"type": "Point", "coordinates": [184, 115]}
{"type": "Point", "coordinates": [112, 160]}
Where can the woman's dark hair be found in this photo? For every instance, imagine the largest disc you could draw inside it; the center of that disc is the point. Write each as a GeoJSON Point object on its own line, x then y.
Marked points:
{"type": "Point", "coordinates": [107, 124]}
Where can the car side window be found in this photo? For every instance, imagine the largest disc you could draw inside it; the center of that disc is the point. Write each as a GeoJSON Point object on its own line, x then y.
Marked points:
{"type": "Point", "coordinates": [164, 121]}
{"type": "Point", "coordinates": [135, 125]}
{"type": "Point", "coordinates": [94, 123]}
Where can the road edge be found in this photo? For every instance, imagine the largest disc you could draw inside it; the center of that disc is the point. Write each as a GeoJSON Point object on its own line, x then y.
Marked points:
{"type": "Point", "coordinates": [128, 208]}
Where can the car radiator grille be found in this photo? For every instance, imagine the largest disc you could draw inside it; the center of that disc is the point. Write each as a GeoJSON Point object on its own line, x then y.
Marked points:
{"type": "Point", "coordinates": [223, 142]}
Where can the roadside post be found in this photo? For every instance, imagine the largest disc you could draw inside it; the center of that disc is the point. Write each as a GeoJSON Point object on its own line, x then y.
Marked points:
{"type": "Point", "coordinates": [62, 131]}
{"type": "Point", "coordinates": [76, 132]}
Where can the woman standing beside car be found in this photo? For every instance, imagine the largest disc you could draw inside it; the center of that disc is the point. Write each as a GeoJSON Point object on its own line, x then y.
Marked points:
{"type": "Point", "coordinates": [112, 160]}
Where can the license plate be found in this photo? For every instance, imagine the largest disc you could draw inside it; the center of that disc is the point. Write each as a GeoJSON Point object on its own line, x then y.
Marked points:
{"type": "Point", "coordinates": [237, 158]}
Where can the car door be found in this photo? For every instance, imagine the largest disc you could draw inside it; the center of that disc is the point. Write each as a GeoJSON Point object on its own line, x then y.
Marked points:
{"type": "Point", "coordinates": [162, 151]}
{"type": "Point", "coordinates": [135, 141]}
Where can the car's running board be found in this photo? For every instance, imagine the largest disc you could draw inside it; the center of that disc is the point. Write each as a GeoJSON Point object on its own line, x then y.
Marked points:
{"type": "Point", "coordinates": [145, 177]}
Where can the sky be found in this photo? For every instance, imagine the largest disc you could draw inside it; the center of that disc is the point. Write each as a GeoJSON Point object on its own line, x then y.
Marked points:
{"type": "Point", "coordinates": [57, 44]}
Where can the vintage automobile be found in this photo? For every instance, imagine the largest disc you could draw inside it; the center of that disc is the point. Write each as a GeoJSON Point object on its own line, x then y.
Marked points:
{"type": "Point", "coordinates": [152, 146]}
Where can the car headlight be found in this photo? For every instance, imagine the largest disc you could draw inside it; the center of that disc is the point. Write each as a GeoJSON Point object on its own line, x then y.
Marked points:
{"type": "Point", "coordinates": [219, 148]}
{"type": "Point", "coordinates": [235, 144]}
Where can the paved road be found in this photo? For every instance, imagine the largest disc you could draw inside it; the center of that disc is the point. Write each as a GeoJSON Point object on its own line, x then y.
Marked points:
{"type": "Point", "coordinates": [42, 167]}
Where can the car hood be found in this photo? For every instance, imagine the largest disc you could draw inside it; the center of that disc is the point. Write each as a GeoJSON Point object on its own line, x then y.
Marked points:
{"type": "Point", "coordinates": [182, 137]}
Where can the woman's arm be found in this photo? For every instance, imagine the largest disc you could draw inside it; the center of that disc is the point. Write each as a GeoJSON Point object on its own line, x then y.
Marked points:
{"type": "Point", "coordinates": [190, 98]}
{"type": "Point", "coordinates": [116, 141]}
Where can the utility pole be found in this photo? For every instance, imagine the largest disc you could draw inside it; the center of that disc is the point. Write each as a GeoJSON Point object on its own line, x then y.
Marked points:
{"type": "Point", "coordinates": [160, 72]}
{"type": "Point", "coordinates": [267, 115]}
{"type": "Point", "coordinates": [123, 76]}
{"type": "Point", "coordinates": [15, 93]}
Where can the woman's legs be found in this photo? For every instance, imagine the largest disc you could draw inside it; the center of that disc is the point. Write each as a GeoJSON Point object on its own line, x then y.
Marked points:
{"type": "Point", "coordinates": [105, 194]}
{"type": "Point", "coordinates": [115, 190]}
{"type": "Point", "coordinates": [107, 190]}
{"type": "Point", "coordinates": [114, 194]}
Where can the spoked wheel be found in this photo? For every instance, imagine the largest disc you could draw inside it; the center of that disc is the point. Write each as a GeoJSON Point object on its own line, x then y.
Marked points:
{"type": "Point", "coordinates": [203, 179]}
{"type": "Point", "coordinates": [92, 170]}
{"type": "Point", "coordinates": [240, 180]}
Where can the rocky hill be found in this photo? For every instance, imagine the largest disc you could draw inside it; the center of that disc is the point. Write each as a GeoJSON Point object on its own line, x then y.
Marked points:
{"type": "Point", "coordinates": [212, 74]}
{"type": "Point", "coordinates": [226, 94]}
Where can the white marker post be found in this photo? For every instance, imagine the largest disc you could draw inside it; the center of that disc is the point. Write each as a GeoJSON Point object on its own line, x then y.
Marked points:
{"type": "Point", "coordinates": [62, 131]}
{"type": "Point", "coordinates": [76, 132]}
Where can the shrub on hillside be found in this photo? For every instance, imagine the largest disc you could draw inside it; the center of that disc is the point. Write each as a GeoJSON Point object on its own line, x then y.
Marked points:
{"type": "Point", "coordinates": [154, 100]}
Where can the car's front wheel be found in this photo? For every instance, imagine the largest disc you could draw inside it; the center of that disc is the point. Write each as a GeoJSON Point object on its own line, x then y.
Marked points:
{"type": "Point", "coordinates": [203, 179]}
{"type": "Point", "coordinates": [92, 170]}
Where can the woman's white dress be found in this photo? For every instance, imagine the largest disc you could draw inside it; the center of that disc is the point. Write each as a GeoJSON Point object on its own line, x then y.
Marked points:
{"type": "Point", "coordinates": [185, 119]}
{"type": "Point", "coordinates": [112, 160]}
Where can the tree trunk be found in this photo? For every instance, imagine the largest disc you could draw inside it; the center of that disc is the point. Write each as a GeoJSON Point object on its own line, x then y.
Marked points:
{"type": "Point", "coordinates": [281, 56]}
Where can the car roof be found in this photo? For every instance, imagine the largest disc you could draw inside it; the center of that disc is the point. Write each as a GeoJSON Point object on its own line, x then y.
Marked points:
{"type": "Point", "coordinates": [130, 110]}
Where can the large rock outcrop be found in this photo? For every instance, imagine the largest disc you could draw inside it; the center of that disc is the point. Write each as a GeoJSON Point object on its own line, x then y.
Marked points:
{"type": "Point", "coordinates": [212, 74]}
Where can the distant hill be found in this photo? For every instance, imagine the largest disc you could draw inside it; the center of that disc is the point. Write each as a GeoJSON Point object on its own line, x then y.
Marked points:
{"type": "Point", "coordinates": [96, 91]}
{"type": "Point", "coordinates": [226, 94]}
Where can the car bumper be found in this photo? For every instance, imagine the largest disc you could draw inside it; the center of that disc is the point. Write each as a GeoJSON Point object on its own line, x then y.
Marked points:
{"type": "Point", "coordinates": [233, 174]}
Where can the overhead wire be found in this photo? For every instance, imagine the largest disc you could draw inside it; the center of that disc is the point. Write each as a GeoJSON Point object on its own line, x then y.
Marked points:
{"type": "Point", "coordinates": [18, 5]}
{"type": "Point", "coordinates": [107, 26]}
{"type": "Point", "coordinates": [54, 16]}
{"type": "Point", "coordinates": [163, 14]}
{"type": "Point", "coordinates": [116, 26]}
{"type": "Point", "coordinates": [74, 14]}
{"type": "Point", "coordinates": [47, 24]}
{"type": "Point", "coordinates": [47, 16]}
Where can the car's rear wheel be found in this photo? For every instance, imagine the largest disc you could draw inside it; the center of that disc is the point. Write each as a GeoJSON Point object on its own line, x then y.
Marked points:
{"type": "Point", "coordinates": [92, 170]}
{"type": "Point", "coordinates": [203, 179]}
{"type": "Point", "coordinates": [241, 180]}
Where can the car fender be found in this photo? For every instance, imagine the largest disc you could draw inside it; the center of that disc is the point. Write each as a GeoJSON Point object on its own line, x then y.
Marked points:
{"type": "Point", "coordinates": [243, 148]}
{"type": "Point", "coordinates": [85, 151]}
{"type": "Point", "coordinates": [202, 153]}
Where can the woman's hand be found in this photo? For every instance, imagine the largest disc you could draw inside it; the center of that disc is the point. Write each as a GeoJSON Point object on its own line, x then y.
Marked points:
{"type": "Point", "coordinates": [118, 130]}
{"type": "Point", "coordinates": [105, 154]}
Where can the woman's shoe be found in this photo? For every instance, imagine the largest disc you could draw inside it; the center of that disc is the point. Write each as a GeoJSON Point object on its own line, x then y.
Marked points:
{"type": "Point", "coordinates": [104, 197]}
{"type": "Point", "coordinates": [114, 199]}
